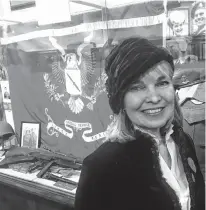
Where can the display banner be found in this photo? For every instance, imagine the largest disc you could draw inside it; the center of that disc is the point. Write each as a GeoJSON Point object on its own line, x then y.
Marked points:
{"type": "Point", "coordinates": [57, 75]}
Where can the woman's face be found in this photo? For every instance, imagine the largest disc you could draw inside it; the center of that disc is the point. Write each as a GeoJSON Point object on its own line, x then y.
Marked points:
{"type": "Point", "coordinates": [149, 103]}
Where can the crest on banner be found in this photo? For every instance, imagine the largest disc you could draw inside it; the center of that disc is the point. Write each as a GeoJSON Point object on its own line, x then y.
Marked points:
{"type": "Point", "coordinates": [76, 73]}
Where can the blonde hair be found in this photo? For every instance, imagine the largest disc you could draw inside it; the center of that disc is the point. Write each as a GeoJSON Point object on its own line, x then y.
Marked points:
{"type": "Point", "coordinates": [118, 130]}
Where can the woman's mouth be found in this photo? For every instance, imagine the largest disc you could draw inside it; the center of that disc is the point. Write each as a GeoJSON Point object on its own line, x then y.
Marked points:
{"type": "Point", "coordinates": [153, 111]}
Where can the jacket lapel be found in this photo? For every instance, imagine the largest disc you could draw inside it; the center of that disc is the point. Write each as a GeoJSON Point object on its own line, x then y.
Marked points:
{"type": "Point", "coordinates": [187, 161]}
{"type": "Point", "coordinates": [148, 144]}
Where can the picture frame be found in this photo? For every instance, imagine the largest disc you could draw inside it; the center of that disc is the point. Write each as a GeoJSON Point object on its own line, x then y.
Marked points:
{"type": "Point", "coordinates": [5, 91]}
{"type": "Point", "coordinates": [197, 16]}
{"type": "Point", "coordinates": [30, 134]}
{"type": "Point", "coordinates": [178, 22]}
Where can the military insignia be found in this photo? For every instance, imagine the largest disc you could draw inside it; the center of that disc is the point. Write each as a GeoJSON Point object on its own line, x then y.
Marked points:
{"type": "Point", "coordinates": [191, 164]}
{"type": "Point", "coordinates": [75, 72]}
{"type": "Point", "coordinates": [184, 79]}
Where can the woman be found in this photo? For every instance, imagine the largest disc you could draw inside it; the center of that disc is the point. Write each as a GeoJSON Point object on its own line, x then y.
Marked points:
{"type": "Point", "coordinates": [147, 162]}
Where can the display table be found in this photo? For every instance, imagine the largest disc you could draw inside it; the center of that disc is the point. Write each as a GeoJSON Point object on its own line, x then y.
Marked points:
{"type": "Point", "coordinates": [27, 192]}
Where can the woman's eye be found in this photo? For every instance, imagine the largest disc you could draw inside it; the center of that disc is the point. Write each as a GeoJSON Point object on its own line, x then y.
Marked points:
{"type": "Point", "coordinates": [137, 87]}
{"type": "Point", "coordinates": [162, 83]}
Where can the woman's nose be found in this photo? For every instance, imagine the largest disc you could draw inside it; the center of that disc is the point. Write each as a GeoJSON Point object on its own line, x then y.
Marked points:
{"type": "Point", "coordinates": [153, 96]}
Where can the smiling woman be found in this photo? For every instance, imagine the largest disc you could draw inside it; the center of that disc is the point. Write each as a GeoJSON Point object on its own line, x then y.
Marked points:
{"type": "Point", "coordinates": [149, 103]}
{"type": "Point", "coordinates": [146, 161]}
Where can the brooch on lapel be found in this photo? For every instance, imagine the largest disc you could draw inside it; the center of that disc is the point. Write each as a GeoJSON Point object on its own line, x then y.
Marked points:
{"type": "Point", "coordinates": [191, 164]}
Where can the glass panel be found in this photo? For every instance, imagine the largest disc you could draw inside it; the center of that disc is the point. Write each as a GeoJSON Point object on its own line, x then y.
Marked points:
{"type": "Point", "coordinates": [56, 71]}
{"type": "Point", "coordinates": [57, 77]}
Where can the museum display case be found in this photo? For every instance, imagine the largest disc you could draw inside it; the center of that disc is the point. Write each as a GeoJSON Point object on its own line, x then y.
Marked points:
{"type": "Point", "coordinates": [53, 71]}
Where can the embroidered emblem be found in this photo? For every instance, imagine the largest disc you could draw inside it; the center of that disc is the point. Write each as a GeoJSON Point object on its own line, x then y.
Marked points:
{"type": "Point", "coordinates": [191, 164]}
{"type": "Point", "coordinates": [184, 79]}
{"type": "Point", "coordinates": [75, 75]}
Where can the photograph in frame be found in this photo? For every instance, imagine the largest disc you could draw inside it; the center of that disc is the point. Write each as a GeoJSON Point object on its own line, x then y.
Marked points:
{"type": "Point", "coordinates": [198, 18]}
{"type": "Point", "coordinates": [30, 134]}
{"type": "Point", "coordinates": [178, 23]}
{"type": "Point", "coordinates": [5, 91]}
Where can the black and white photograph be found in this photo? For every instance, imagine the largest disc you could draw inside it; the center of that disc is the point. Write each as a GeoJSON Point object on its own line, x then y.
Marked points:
{"type": "Point", "coordinates": [30, 134]}
{"type": "Point", "coordinates": [5, 91]}
{"type": "Point", "coordinates": [3, 73]}
{"type": "Point", "coordinates": [178, 23]}
{"type": "Point", "coordinates": [198, 16]}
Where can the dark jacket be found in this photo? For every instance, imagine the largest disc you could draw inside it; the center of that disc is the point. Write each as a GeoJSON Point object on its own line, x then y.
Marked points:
{"type": "Point", "coordinates": [127, 176]}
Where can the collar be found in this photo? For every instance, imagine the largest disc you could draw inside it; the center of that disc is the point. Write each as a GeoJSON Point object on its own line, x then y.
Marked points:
{"type": "Point", "coordinates": [167, 135]}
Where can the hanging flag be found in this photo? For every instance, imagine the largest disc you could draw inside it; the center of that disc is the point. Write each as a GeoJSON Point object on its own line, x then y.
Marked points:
{"type": "Point", "coordinates": [64, 90]}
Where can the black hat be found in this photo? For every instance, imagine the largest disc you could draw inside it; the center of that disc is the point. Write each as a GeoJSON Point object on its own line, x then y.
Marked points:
{"type": "Point", "coordinates": [197, 5]}
{"type": "Point", "coordinates": [126, 63]}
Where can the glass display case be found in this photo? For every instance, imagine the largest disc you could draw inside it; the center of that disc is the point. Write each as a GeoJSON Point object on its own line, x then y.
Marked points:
{"type": "Point", "coordinates": [56, 78]}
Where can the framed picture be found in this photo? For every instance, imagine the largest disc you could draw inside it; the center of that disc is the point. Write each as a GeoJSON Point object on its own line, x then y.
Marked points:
{"type": "Point", "coordinates": [30, 134]}
{"type": "Point", "coordinates": [3, 73]}
{"type": "Point", "coordinates": [178, 23]}
{"type": "Point", "coordinates": [5, 91]}
{"type": "Point", "coordinates": [198, 17]}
